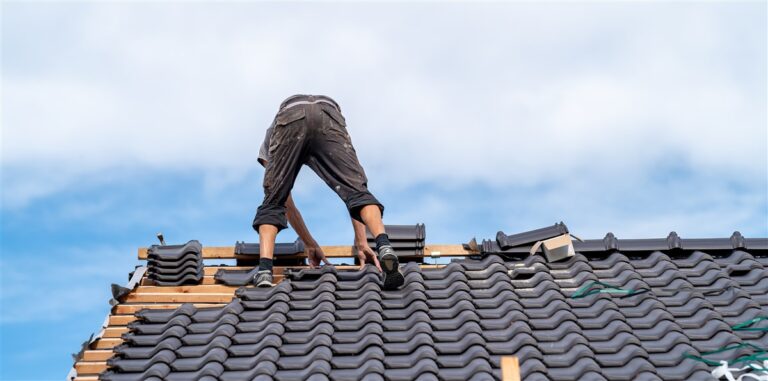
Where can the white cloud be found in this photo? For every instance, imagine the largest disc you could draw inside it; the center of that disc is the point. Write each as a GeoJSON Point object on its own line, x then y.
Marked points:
{"type": "Point", "coordinates": [501, 94]}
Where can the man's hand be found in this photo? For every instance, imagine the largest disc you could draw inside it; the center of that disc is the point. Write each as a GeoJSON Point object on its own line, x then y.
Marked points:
{"type": "Point", "coordinates": [366, 255]}
{"type": "Point", "coordinates": [315, 255]}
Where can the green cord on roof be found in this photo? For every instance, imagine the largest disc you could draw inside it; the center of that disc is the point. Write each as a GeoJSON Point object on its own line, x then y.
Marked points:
{"type": "Point", "coordinates": [588, 289]}
{"type": "Point", "coordinates": [746, 326]}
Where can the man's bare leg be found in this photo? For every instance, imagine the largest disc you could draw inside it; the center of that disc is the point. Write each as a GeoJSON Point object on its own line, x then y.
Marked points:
{"type": "Point", "coordinates": [393, 278]}
{"type": "Point", "coordinates": [371, 215]}
{"type": "Point", "coordinates": [267, 236]}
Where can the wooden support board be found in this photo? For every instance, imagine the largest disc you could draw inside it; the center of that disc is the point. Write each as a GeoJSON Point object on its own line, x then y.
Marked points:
{"type": "Point", "coordinates": [228, 252]}
{"type": "Point", "coordinates": [510, 368]}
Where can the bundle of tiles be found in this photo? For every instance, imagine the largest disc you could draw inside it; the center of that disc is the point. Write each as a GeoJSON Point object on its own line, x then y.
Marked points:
{"type": "Point", "coordinates": [175, 265]}
{"type": "Point", "coordinates": [407, 240]}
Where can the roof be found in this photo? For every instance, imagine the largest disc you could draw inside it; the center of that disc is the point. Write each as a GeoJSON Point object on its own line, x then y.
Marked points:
{"type": "Point", "coordinates": [640, 313]}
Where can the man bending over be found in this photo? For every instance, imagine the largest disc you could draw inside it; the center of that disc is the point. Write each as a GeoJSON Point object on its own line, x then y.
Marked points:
{"type": "Point", "coordinates": [310, 129]}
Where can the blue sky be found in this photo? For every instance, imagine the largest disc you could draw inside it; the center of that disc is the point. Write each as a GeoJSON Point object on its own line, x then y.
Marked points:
{"type": "Point", "coordinates": [123, 119]}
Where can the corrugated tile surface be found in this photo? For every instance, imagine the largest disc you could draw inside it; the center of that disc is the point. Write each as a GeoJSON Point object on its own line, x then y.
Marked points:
{"type": "Point", "coordinates": [455, 322]}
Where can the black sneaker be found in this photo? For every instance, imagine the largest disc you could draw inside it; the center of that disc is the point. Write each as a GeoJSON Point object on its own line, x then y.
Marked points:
{"type": "Point", "coordinates": [263, 278]}
{"type": "Point", "coordinates": [393, 278]}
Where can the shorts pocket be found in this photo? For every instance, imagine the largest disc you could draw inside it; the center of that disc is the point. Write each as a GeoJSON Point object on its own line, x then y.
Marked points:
{"type": "Point", "coordinates": [289, 116]}
{"type": "Point", "coordinates": [335, 115]}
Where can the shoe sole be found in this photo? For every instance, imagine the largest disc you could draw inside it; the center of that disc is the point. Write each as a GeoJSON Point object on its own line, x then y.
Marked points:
{"type": "Point", "coordinates": [393, 278]}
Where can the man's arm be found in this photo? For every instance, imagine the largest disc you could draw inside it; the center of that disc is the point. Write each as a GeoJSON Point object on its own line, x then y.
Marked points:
{"type": "Point", "coordinates": [364, 252]}
{"type": "Point", "coordinates": [297, 222]}
{"type": "Point", "coordinates": [311, 248]}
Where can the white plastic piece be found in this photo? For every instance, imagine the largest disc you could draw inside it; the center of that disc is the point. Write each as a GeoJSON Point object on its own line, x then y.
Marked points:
{"type": "Point", "coordinates": [724, 371]}
{"type": "Point", "coordinates": [555, 249]}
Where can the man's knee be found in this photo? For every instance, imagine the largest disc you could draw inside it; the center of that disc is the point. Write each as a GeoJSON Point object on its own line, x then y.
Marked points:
{"type": "Point", "coordinates": [358, 200]}
{"type": "Point", "coordinates": [270, 215]}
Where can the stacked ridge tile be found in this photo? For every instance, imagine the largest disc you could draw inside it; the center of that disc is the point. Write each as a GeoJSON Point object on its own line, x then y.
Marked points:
{"type": "Point", "coordinates": [406, 240]}
{"type": "Point", "coordinates": [175, 265]}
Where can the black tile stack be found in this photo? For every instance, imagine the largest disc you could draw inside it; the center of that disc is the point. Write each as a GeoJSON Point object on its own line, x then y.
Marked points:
{"type": "Point", "coordinates": [175, 265]}
{"type": "Point", "coordinates": [519, 243]}
{"type": "Point", "coordinates": [407, 240]}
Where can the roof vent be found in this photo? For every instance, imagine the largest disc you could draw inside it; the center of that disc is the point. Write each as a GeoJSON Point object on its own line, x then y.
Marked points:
{"type": "Point", "coordinates": [738, 241]}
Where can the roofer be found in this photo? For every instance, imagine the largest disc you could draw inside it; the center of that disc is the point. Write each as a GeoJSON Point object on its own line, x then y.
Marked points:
{"type": "Point", "coordinates": [310, 129]}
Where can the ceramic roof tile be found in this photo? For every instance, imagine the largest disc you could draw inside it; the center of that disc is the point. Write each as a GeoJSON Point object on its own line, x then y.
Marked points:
{"type": "Point", "coordinates": [458, 321]}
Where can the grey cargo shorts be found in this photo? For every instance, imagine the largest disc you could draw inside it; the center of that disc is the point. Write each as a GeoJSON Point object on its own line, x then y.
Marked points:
{"type": "Point", "coordinates": [315, 135]}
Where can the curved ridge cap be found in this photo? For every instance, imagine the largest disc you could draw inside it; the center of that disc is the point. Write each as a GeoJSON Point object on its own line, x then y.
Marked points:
{"type": "Point", "coordinates": [199, 350]}
{"type": "Point", "coordinates": [420, 352]}
{"type": "Point", "coordinates": [369, 353]}
{"type": "Point", "coordinates": [156, 370]}
{"type": "Point", "coordinates": [367, 340]}
{"type": "Point", "coordinates": [528, 369]}
{"type": "Point", "coordinates": [265, 304]}
{"type": "Point", "coordinates": [450, 312]}
{"type": "Point", "coordinates": [321, 298]}
{"type": "Point", "coordinates": [542, 299]}
{"type": "Point", "coordinates": [591, 308]}
{"type": "Point", "coordinates": [523, 342]}
{"type": "Point", "coordinates": [534, 296]}
{"type": "Point", "coordinates": [257, 294]}
{"type": "Point", "coordinates": [305, 348]}
{"type": "Point", "coordinates": [264, 368]}
{"type": "Point", "coordinates": [213, 369]}
{"type": "Point", "coordinates": [227, 330]}
{"type": "Point", "coordinates": [484, 273]}
{"type": "Point", "coordinates": [623, 356]}
{"type": "Point", "coordinates": [215, 355]}
{"type": "Point", "coordinates": [491, 292]}
{"type": "Point", "coordinates": [313, 283]}
{"type": "Point", "coordinates": [464, 373]}
{"type": "Point", "coordinates": [303, 295]}
{"type": "Point", "coordinates": [143, 327]}
{"type": "Point", "coordinates": [461, 345]}
{"type": "Point", "coordinates": [418, 368]}
{"type": "Point", "coordinates": [486, 283]}
{"type": "Point", "coordinates": [197, 328]}
{"type": "Point", "coordinates": [684, 370]}
{"type": "Point", "coordinates": [508, 306]}
{"type": "Point", "coordinates": [575, 370]}
{"type": "Point", "coordinates": [314, 353]}
{"type": "Point", "coordinates": [166, 356]}
{"type": "Point", "coordinates": [650, 260]}
{"type": "Point", "coordinates": [440, 273]}
{"type": "Point", "coordinates": [611, 260]}
{"type": "Point", "coordinates": [163, 315]}
{"type": "Point", "coordinates": [137, 339]}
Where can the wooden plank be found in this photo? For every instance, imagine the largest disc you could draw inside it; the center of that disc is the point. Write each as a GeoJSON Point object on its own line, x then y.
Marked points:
{"type": "Point", "coordinates": [97, 355]}
{"type": "Point", "coordinates": [118, 320]}
{"type": "Point", "coordinates": [86, 378]}
{"type": "Point", "coordinates": [114, 331]}
{"type": "Point", "coordinates": [133, 308]}
{"type": "Point", "coordinates": [90, 367]}
{"type": "Point", "coordinates": [107, 343]}
{"type": "Point", "coordinates": [510, 368]}
{"type": "Point", "coordinates": [176, 297]}
{"type": "Point", "coordinates": [228, 252]}
{"type": "Point", "coordinates": [212, 289]}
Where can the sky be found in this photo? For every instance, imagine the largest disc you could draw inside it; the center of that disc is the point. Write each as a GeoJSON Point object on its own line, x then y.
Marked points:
{"type": "Point", "coordinates": [124, 119]}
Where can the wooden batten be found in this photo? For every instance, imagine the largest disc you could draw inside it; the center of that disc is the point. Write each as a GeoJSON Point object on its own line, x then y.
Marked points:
{"type": "Point", "coordinates": [510, 368]}
{"type": "Point", "coordinates": [228, 252]}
